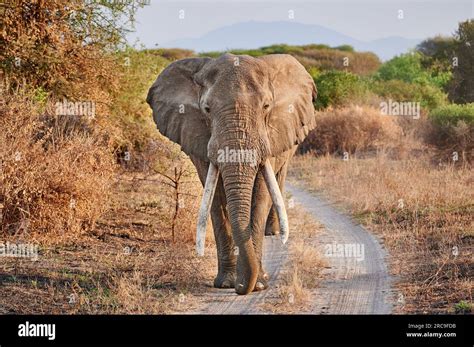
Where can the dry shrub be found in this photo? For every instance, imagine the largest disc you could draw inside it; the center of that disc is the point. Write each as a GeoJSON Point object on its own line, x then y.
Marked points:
{"type": "Point", "coordinates": [351, 129]}
{"type": "Point", "coordinates": [424, 213]}
{"type": "Point", "coordinates": [53, 180]}
{"type": "Point", "coordinates": [56, 170]}
{"type": "Point", "coordinates": [451, 130]}
{"type": "Point", "coordinates": [452, 139]}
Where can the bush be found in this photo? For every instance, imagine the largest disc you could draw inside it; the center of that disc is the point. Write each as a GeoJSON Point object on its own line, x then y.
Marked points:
{"type": "Point", "coordinates": [351, 129]}
{"type": "Point", "coordinates": [281, 49]}
{"type": "Point", "coordinates": [452, 114]}
{"type": "Point", "coordinates": [56, 172]}
{"type": "Point", "coordinates": [408, 68]}
{"type": "Point", "coordinates": [428, 96]}
{"type": "Point", "coordinates": [453, 129]}
{"type": "Point", "coordinates": [337, 88]}
{"type": "Point", "coordinates": [345, 48]}
{"type": "Point", "coordinates": [129, 110]}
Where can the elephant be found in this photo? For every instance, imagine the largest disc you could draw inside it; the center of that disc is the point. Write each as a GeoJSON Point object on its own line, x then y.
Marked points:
{"type": "Point", "coordinates": [239, 119]}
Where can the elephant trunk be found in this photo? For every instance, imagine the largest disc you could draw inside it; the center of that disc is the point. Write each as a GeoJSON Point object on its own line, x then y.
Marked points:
{"type": "Point", "coordinates": [238, 184]}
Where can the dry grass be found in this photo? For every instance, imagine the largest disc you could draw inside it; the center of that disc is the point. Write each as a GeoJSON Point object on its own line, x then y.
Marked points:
{"type": "Point", "coordinates": [423, 213]}
{"type": "Point", "coordinates": [303, 270]}
{"type": "Point", "coordinates": [128, 264]}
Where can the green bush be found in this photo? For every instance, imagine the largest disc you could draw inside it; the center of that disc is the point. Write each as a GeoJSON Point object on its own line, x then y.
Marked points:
{"type": "Point", "coordinates": [427, 95]}
{"type": "Point", "coordinates": [409, 68]}
{"type": "Point", "coordinates": [453, 130]}
{"type": "Point", "coordinates": [281, 49]}
{"type": "Point", "coordinates": [129, 110]}
{"type": "Point", "coordinates": [337, 88]}
{"type": "Point", "coordinates": [452, 114]}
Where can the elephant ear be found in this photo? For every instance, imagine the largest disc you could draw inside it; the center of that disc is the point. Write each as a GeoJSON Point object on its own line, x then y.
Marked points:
{"type": "Point", "coordinates": [174, 99]}
{"type": "Point", "coordinates": [292, 116]}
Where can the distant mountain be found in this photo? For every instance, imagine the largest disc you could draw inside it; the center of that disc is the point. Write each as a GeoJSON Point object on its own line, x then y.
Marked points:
{"type": "Point", "coordinates": [254, 34]}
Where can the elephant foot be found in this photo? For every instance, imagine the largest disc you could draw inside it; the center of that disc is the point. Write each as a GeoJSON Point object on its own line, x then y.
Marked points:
{"type": "Point", "coordinates": [225, 280]}
{"type": "Point", "coordinates": [262, 282]}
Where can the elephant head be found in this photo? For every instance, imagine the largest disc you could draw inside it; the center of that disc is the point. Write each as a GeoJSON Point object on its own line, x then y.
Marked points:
{"type": "Point", "coordinates": [235, 112]}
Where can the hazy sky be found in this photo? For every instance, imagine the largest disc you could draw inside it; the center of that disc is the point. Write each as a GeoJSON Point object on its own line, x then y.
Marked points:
{"type": "Point", "coordinates": [160, 21]}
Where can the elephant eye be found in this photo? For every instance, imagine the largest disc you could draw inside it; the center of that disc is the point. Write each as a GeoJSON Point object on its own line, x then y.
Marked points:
{"type": "Point", "coordinates": [266, 106]}
{"type": "Point", "coordinates": [207, 109]}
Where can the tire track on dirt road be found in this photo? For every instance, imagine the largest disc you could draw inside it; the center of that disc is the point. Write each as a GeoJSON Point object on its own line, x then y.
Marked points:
{"type": "Point", "coordinates": [350, 286]}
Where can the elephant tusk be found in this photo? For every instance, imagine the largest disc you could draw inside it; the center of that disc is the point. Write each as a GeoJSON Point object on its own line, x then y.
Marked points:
{"type": "Point", "coordinates": [277, 199]}
{"type": "Point", "coordinates": [204, 209]}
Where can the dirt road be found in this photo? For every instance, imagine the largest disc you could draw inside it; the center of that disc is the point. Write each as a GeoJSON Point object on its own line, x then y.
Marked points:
{"type": "Point", "coordinates": [352, 285]}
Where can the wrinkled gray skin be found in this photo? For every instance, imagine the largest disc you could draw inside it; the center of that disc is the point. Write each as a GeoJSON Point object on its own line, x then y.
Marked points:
{"type": "Point", "coordinates": [263, 104]}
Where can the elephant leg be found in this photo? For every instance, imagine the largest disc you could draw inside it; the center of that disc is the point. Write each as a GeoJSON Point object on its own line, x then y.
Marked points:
{"type": "Point", "coordinates": [226, 257]}
{"type": "Point", "coordinates": [261, 205]}
{"type": "Point", "coordinates": [273, 226]}
{"type": "Point", "coordinates": [262, 208]}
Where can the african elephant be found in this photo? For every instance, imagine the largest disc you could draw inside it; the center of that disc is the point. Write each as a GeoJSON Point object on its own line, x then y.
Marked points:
{"type": "Point", "coordinates": [239, 119]}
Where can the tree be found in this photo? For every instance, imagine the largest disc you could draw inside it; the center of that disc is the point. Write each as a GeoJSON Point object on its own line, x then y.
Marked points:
{"type": "Point", "coordinates": [437, 55]}
{"type": "Point", "coordinates": [462, 87]}
{"type": "Point", "coordinates": [438, 48]}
